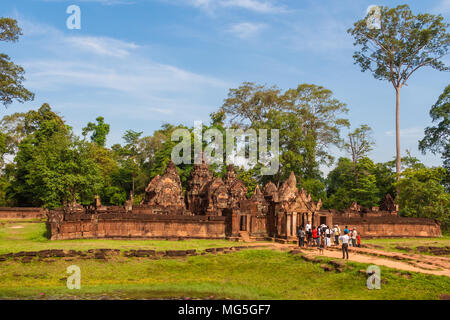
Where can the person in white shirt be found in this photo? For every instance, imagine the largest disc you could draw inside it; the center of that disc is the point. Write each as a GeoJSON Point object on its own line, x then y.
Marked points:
{"type": "Point", "coordinates": [328, 237]}
{"type": "Point", "coordinates": [345, 239]}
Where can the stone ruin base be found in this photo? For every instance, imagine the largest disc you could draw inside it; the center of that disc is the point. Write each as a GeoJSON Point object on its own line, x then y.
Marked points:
{"type": "Point", "coordinates": [392, 227]}
{"type": "Point", "coordinates": [127, 226]}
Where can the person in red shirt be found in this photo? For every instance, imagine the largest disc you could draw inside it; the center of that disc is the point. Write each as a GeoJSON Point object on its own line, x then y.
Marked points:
{"type": "Point", "coordinates": [315, 236]}
{"type": "Point", "coordinates": [358, 237]}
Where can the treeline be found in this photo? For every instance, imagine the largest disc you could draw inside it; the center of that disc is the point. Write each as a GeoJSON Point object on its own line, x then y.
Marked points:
{"type": "Point", "coordinates": [45, 164]}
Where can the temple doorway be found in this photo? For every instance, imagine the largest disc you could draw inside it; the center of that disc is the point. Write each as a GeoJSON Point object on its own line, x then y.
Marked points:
{"type": "Point", "coordinates": [243, 223]}
{"type": "Point", "coordinates": [323, 220]}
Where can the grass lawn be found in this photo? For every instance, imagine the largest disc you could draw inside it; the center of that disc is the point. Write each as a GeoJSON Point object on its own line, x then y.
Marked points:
{"type": "Point", "coordinates": [19, 236]}
{"type": "Point", "coordinates": [413, 243]}
{"type": "Point", "coordinates": [247, 274]}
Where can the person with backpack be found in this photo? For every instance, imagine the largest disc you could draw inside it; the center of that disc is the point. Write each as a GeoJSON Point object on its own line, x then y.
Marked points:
{"type": "Point", "coordinates": [345, 240]}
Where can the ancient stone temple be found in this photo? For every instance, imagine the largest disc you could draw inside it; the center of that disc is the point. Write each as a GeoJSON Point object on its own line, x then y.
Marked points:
{"type": "Point", "coordinates": [214, 208]}
{"type": "Point", "coordinates": [165, 191]}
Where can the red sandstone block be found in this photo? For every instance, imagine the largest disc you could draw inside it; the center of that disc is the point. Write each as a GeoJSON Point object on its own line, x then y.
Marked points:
{"type": "Point", "coordinates": [176, 253]}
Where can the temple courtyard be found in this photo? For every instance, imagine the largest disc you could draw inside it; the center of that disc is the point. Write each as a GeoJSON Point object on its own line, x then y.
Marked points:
{"type": "Point", "coordinates": [33, 267]}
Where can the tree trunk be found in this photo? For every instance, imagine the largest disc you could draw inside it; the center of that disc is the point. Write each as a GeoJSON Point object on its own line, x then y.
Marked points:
{"type": "Point", "coordinates": [398, 161]}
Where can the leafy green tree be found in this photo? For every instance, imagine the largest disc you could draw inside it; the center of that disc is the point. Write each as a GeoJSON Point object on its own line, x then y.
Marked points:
{"type": "Point", "coordinates": [52, 167]}
{"type": "Point", "coordinates": [11, 75]}
{"type": "Point", "coordinates": [403, 44]}
{"type": "Point", "coordinates": [422, 194]}
{"type": "Point", "coordinates": [131, 139]}
{"type": "Point", "coordinates": [99, 131]}
{"type": "Point", "coordinates": [365, 191]}
{"type": "Point", "coordinates": [385, 178]}
{"type": "Point", "coordinates": [315, 187]}
{"type": "Point", "coordinates": [343, 189]}
{"type": "Point", "coordinates": [437, 138]}
{"type": "Point", "coordinates": [308, 118]}
{"type": "Point", "coordinates": [114, 196]}
{"type": "Point", "coordinates": [359, 144]}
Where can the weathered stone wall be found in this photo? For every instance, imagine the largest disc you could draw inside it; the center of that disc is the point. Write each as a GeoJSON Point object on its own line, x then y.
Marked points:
{"type": "Point", "coordinates": [125, 225]}
{"type": "Point", "coordinates": [378, 227]}
{"type": "Point", "coordinates": [21, 213]}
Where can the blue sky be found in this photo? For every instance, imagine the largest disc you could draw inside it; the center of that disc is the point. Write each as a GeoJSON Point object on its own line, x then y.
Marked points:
{"type": "Point", "coordinates": [141, 63]}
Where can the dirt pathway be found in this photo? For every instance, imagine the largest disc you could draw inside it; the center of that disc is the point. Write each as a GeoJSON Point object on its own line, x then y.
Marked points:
{"type": "Point", "coordinates": [408, 262]}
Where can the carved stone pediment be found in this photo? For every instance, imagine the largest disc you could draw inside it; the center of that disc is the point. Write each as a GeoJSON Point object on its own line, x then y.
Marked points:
{"type": "Point", "coordinates": [217, 193]}
{"type": "Point", "coordinates": [236, 188]}
{"type": "Point", "coordinates": [271, 192]}
{"type": "Point", "coordinates": [166, 190]}
{"type": "Point", "coordinates": [288, 190]}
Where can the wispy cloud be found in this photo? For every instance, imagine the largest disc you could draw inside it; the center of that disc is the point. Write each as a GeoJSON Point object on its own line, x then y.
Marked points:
{"type": "Point", "coordinates": [113, 75]}
{"type": "Point", "coordinates": [408, 133]}
{"type": "Point", "coordinates": [254, 5]}
{"type": "Point", "coordinates": [104, 2]}
{"type": "Point", "coordinates": [245, 30]}
{"type": "Point", "coordinates": [260, 6]}
{"type": "Point", "coordinates": [102, 46]}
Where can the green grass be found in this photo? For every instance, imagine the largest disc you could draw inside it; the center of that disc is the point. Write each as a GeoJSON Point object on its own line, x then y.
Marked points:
{"type": "Point", "coordinates": [249, 274]}
{"type": "Point", "coordinates": [413, 243]}
{"type": "Point", "coordinates": [32, 237]}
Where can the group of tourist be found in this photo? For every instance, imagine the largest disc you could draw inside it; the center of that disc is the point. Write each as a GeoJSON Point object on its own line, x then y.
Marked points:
{"type": "Point", "coordinates": [323, 236]}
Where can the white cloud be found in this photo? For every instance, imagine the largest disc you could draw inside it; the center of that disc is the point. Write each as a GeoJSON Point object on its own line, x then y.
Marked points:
{"type": "Point", "coordinates": [254, 5]}
{"type": "Point", "coordinates": [245, 30]}
{"type": "Point", "coordinates": [102, 46]}
{"type": "Point", "coordinates": [260, 6]}
{"type": "Point", "coordinates": [104, 2]}
{"type": "Point", "coordinates": [408, 133]}
{"type": "Point", "coordinates": [112, 76]}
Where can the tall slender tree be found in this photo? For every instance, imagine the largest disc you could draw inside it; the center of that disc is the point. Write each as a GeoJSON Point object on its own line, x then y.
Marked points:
{"type": "Point", "coordinates": [398, 45]}
{"type": "Point", "coordinates": [360, 142]}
